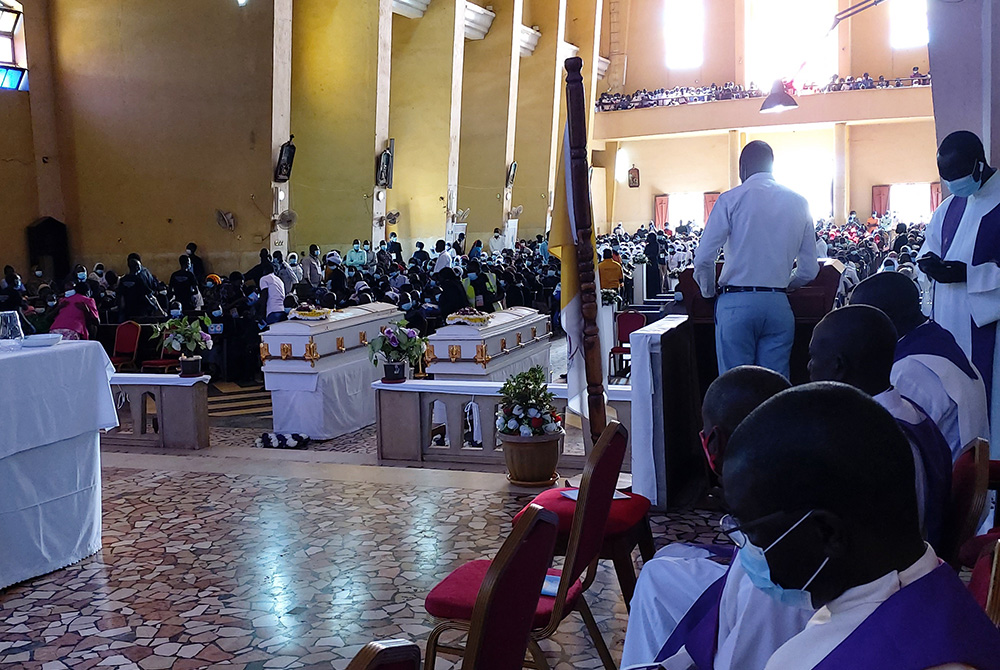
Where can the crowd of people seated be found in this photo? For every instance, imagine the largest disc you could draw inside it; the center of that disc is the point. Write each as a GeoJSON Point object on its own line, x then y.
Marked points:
{"type": "Point", "coordinates": [683, 95]}
{"type": "Point", "coordinates": [426, 287]}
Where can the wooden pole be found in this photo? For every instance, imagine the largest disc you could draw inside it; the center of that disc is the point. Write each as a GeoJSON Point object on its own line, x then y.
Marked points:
{"type": "Point", "coordinates": [579, 196]}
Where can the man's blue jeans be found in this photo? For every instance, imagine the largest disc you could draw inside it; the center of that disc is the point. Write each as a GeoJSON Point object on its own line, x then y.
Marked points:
{"type": "Point", "coordinates": [754, 329]}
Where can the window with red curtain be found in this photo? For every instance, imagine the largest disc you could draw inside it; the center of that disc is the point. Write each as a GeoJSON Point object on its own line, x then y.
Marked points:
{"type": "Point", "coordinates": [935, 196]}
{"type": "Point", "coordinates": [661, 207]}
{"type": "Point", "coordinates": [880, 200]}
{"type": "Point", "coordinates": [710, 199]}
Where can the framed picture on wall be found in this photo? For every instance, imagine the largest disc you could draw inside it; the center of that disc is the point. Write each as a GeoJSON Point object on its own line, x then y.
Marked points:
{"type": "Point", "coordinates": [633, 177]}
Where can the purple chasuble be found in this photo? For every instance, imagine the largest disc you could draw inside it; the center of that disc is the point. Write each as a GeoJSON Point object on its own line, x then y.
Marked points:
{"type": "Point", "coordinates": [935, 454]}
{"type": "Point", "coordinates": [930, 339]}
{"type": "Point", "coordinates": [930, 622]}
{"type": "Point", "coordinates": [987, 250]}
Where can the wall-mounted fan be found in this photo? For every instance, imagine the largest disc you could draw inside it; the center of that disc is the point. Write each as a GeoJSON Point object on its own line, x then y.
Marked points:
{"type": "Point", "coordinates": [226, 220]}
{"type": "Point", "coordinates": [286, 220]}
{"type": "Point", "coordinates": [515, 212]}
{"type": "Point", "coordinates": [392, 217]}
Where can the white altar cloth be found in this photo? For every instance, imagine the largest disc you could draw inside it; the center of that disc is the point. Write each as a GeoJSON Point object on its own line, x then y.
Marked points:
{"type": "Point", "coordinates": [50, 466]}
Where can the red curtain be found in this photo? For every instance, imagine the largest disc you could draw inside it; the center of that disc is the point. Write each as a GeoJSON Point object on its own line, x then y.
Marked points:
{"type": "Point", "coordinates": [660, 210]}
{"type": "Point", "coordinates": [710, 199]}
{"type": "Point", "coordinates": [880, 201]}
{"type": "Point", "coordinates": [936, 195]}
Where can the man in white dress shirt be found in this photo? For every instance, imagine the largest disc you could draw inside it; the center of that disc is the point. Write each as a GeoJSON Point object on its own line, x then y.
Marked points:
{"type": "Point", "coordinates": [930, 368]}
{"type": "Point", "coordinates": [831, 522]}
{"type": "Point", "coordinates": [765, 231]}
{"type": "Point", "coordinates": [961, 254]}
{"type": "Point", "coordinates": [443, 256]}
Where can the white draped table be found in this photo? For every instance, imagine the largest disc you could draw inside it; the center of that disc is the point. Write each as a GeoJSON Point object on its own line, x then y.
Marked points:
{"type": "Point", "coordinates": [57, 399]}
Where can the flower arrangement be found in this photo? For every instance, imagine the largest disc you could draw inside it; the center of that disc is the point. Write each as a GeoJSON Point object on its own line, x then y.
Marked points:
{"type": "Point", "coordinates": [640, 259]}
{"type": "Point", "coordinates": [526, 408]}
{"type": "Point", "coordinates": [469, 316]}
{"type": "Point", "coordinates": [609, 296]}
{"type": "Point", "coordinates": [184, 335]}
{"type": "Point", "coordinates": [396, 344]}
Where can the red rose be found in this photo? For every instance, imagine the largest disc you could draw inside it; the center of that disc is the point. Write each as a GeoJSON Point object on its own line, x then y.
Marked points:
{"type": "Point", "coordinates": [537, 422]}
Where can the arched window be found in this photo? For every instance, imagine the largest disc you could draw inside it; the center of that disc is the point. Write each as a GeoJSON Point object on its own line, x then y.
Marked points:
{"type": "Point", "coordinates": [684, 33]}
{"type": "Point", "coordinates": [908, 24]}
{"type": "Point", "coordinates": [790, 40]}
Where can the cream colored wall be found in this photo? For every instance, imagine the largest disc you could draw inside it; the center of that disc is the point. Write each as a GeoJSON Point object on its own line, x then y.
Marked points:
{"type": "Point", "coordinates": [676, 165]}
{"type": "Point", "coordinates": [646, 57]}
{"type": "Point", "coordinates": [890, 153]}
{"type": "Point", "coordinates": [870, 49]}
{"type": "Point", "coordinates": [164, 115]}
{"type": "Point", "coordinates": [18, 188]}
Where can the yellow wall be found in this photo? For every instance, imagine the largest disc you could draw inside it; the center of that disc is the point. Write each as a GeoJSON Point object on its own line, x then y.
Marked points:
{"type": "Point", "coordinates": [890, 153]}
{"type": "Point", "coordinates": [870, 49]}
{"type": "Point", "coordinates": [19, 199]}
{"type": "Point", "coordinates": [334, 89]}
{"type": "Point", "coordinates": [676, 165]}
{"type": "Point", "coordinates": [420, 120]}
{"type": "Point", "coordinates": [164, 115]}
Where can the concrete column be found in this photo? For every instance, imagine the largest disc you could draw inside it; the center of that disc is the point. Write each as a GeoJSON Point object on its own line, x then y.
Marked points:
{"type": "Point", "coordinates": [583, 29]}
{"type": "Point", "coordinates": [281, 110]}
{"type": "Point", "coordinates": [489, 116]}
{"type": "Point", "coordinates": [535, 146]}
{"type": "Point", "coordinates": [382, 84]}
{"type": "Point", "coordinates": [425, 118]}
{"type": "Point", "coordinates": [964, 44]}
{"type": "Point", "coordinates": [841, 173]}
{"type": "Point", "coordinates": [735, 147]}
{"type": "Point", "coordinates": [340, 102]}
{"type": "Point", "coordinates": [43, 111]}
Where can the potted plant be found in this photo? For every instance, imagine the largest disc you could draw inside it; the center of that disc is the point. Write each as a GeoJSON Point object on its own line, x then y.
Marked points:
{"type": "Point", "coordinates": [530, 429]}
{"type": "Point", "coordinates": [397, 345]}
{"type": "Point", "coordinates": [185, 336]}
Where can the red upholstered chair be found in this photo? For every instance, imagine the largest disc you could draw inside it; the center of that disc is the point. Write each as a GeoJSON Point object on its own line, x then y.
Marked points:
{"type": "Point", "coordinates": [627, 527]}
{"type": "Point", "coordinates": [387, 655]}
{"type": "Point", "coordinates": [169, 361]}
{"type": "Point", "coordinates": [126, 346]}
{"type": "Point", "coordinates": [454, 597]}
{"type": "Point", "coordinates": [968, 500]}
{"type": "Point", "coordinates": [994, 485]}
{"type": "Point", "coordinates": [626, 323]}
{"type": "Point", "coordinates": [985, 582]}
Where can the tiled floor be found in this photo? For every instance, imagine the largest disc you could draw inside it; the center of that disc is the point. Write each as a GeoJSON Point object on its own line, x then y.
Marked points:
{"type": "Point", "coordinates": [270, 563]}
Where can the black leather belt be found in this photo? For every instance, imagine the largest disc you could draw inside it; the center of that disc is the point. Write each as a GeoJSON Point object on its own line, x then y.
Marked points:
{"type": "Point", "coordinates": [752, 289]}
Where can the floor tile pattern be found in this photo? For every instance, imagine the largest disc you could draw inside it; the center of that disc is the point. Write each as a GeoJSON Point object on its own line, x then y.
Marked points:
{"type": "Point", "coordinates": [255, 572]}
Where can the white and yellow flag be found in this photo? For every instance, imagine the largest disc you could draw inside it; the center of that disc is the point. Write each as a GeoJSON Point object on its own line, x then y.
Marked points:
{"type": "Point", "coordinates": [562, 245]}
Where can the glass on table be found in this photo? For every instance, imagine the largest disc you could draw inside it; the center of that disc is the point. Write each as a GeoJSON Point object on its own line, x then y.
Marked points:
{"type": "Point", "coordinates": [11, 334]}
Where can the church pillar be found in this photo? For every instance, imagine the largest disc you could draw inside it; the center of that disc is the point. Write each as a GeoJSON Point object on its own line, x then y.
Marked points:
{"type": "Point", "coordinates": [489, 115]}
{"type": "Point", "coordinates": [535, 145]}
{"type": "Point", "coordinates": [425, 118]}
{"type": "Point", "coordinates": [340, 117]}
{"type": "Point", "coordinates": [841, 176]}
{"type": "Point", "coordinates": [735, 147]}
{"type": "Point", "coordinates": [281, 110]}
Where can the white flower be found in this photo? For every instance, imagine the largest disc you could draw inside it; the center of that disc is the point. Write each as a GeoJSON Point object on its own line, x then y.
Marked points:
{"type": "Point", "coordinates": [500, 423]}
{"type": "Point", "coordinates": [532, 412]}
{"type": "Point", "coordinates": [512, 424]}
{"type": "Point", "coordinates": [518, 410]}
{"type": "Point", "coordinates": [525, 431]}
{"type": "Point", "coordinates": [551, 428]}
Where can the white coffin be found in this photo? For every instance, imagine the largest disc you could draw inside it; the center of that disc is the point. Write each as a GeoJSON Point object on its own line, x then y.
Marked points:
{"type": "Point", "coordinates": [296, 346]}
{"type": "Point", "coordinates": [515, 338]}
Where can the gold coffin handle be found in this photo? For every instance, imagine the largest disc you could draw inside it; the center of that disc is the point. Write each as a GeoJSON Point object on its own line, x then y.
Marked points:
{"type": "Point", "coordinates": [286, 351]}
{"type": "Point", "coordinates": [482, 357]}
{"type": "Point", "coordinates": [340, 344]}
{"type": "Point", "coordinates": [429, 356]}
{"type": "Point", "coordinates": [265, 353]}
{"type": "Point", "coordinates": [312, 353]}
{"type": "Point", "coordinates": [363, 338]}
{"type": "Point", "coordinates": [454, 352]}
{"type": "Point", "coordinates": [503, 344]}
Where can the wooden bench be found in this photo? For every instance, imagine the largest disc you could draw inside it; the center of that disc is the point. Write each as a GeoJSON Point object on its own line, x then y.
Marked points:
{"type": "Point", "coordinates": [181, 418]}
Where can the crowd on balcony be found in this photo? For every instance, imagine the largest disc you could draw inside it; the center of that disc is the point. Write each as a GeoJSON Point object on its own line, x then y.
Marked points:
{"type": "Point", "coordinates": [684, 95]}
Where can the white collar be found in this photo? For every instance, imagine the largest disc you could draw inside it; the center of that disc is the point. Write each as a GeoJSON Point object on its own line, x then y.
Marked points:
{"type": "Point", "coordinates": [883, 588]}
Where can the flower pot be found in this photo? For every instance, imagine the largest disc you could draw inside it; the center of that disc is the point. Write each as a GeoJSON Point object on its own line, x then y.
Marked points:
{"type": "Point", "coordinates": [395, 372]}
{"type": "Point", "coordinates": [532, 460]}
{"type": "Point", "coordinates": [190, 366]}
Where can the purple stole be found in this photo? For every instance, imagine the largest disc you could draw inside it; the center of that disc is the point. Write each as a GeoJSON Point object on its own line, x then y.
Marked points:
{"type": "Point", "coordinates": [698, 629]}
{"type": "Point", "coordinates": [952, 217]}
{"type": "Point", "coordinates": [931, 622]}
{"type": "Point", "coordinates": [930, 339]}
{"type": "Point", "coordinates": [987, 250]}
{"type": "Point", "coordinates": [935, 454]}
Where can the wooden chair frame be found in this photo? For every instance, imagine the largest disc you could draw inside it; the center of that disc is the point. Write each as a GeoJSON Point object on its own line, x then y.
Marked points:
{"type": "Point", "coordinates": [375, 655]}
{"type": "Point", "coordinates": [559, 608]}
{"type": "Point", "coordinates": [993, 595]}
{"type": "Point", "coordinates": [981, 456]}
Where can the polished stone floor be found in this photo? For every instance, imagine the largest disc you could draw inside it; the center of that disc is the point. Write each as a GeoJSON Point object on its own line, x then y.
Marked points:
{"type": "Point", "coordinates": [252, 562]}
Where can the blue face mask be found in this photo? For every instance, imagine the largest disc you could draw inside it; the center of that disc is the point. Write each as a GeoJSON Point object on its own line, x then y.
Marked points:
{"type": "Point", "coordinates": [70, 293]}
{"type": "Point", "coordinates": [407, 306]}
{"type": "Point", "coordinates": [216, 313]}
{"type": "Point", "coordinates": [175, 313]}
{"type": "Point", "coordinates": [754, 562]}
{"type": "Point", "coordinates": [357, 246]}
{"type": "Point", "coordinates": [367, 247]}
{"type": "Point", "coordinates": [473, 276]}
{"type": "Point", "coordinates": [287, 310]}
{"type": "Point", "coordinates": [963, 187]}
{"type": "Point", "coordinates": [82, 276]}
